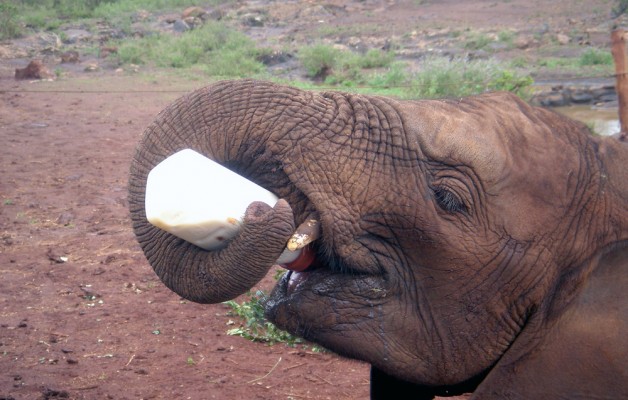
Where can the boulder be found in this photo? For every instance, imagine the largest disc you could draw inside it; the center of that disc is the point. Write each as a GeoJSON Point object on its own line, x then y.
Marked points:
{"type": "Point", "coordinates": [253, 19]}
{"type": "Point", "coordinates": [195, 12]}
{"type": "Point", "coordinates": [76, 35]}
{"type": "Point", "coordinates": [93, 67]}
{"type": "Point", "coordinates": [180, 26]}
{"type": "Point", "coordinates": [34, 70]}
{"type": "Point", "coordinates": [562, 39]}
{"type": "Point", "coordinates": [581, 96]}
{"type": "Point", "coordinates": [552, 100]}
{"type": "Point", "coordinates": [105, 51]}
{"type": "Point", "coordinates": [71, 56]}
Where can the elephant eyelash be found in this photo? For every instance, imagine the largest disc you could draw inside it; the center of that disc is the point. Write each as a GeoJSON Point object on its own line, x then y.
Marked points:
{"type": "Point", "coordinates": [448, 201]}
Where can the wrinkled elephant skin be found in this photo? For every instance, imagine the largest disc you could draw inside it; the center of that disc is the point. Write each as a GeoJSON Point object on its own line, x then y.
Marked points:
{"type": "Point", "coordinates": [468, 245]}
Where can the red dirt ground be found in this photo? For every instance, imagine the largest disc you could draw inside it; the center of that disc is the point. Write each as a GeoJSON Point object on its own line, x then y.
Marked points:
{"type": "Point", "coordinates": [82, 315]}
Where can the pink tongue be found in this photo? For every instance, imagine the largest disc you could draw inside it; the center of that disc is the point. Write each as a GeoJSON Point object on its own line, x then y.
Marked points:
{"type": "Point", "coordinates": [303, 261]}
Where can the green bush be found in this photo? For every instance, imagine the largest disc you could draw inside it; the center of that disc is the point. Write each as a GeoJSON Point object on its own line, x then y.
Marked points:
{"type": "Point", "coordinates": [319, 60]}
{"type": "Point", "coordinates": [394, 76]}
{"type": "Point", "coordinates": [9, 27]}
{"type": "Point", "coordinates": [341, 67]}
{"type": "Point", "coordinates": [593, 56]}
{"type": "Point", "coordinates": [442, 77]}
{"type": "Point", "coordinates": [621, 6]}
{"type": "Point", "coordinates": [116, 8]}
{"type": "Point", "coordinates": [213, 48]}
{"type": "Point", "coordinates": [477, 41]}
{"type": "Point", "coordinates": [511, 82]}
{"type": "Point", "coordinates": [375, 58]}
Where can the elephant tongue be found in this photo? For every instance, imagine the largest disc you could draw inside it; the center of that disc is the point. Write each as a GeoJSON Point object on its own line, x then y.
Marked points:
{"type": "Point", "coordinates": [302, 262]}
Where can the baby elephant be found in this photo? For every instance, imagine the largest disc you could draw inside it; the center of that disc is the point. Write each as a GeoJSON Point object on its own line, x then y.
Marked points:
{"type": "Point", "coordinates": [467, 245]}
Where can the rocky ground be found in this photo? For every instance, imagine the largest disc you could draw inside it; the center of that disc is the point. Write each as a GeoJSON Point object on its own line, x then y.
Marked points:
{"type": "Point", "coordinates": [414, 30]}
{"type": "Point", "coordinates": [82, 315]}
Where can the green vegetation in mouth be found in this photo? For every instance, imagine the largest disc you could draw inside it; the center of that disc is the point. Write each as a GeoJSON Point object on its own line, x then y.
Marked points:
{"type": "Point", "coordinates": [257, 328]}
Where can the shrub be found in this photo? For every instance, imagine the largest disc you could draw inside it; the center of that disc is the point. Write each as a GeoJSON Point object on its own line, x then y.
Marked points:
{"type": "Point", "coordinates": [341, 67]}
{"type": "Point", "coordinates": [213, 48]}
{"type": "Point", "coordinates": [9, 27]}
{"type": "Point", "coordinates": [477, 41]}
{"type": "Point", "coordinates": [375, 58]}
{"type": "Point", "coordinates": [319, 60]}
{"type": "Point", "coordinates": [395, 75]}
{"type": "Point", "coordinates": [621, 6]}
{"type": "Point", "coordinates": [593, 56]}
{"type": "Point", "coordinates": [442, 77]}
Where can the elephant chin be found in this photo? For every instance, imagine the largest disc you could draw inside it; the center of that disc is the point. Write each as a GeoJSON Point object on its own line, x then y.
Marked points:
{"type": "Point", "coordinates": [300, 302]}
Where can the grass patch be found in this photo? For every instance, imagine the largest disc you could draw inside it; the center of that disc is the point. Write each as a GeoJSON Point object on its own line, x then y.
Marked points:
{"type": "Point", "coordinates": [319, 60]}
{"type": "Point", "coordinates": [255, 327]}
{"type": "Point", "coordinates": [620, 7]}
{"type": "Point", "coordinates": [9, 27]}
{"type": "Point", "coordinates": [341, 67]}
{"type": "Point", "coordinates": [16, 15]}
{"type": "Point", "coordinates": [477, 41]}
{"type": "Point", "coordinates": [121, 7]}
{"type": "Point", "coordinates": [214, 48]}
{"type": "Point", "coordinates": [593, 56]}
{"type": "Point", "coordinates": [441, 77]}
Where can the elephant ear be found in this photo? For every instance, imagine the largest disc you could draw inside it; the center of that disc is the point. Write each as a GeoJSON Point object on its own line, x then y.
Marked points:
{"type": "Point", "coordinates": [583, 349]}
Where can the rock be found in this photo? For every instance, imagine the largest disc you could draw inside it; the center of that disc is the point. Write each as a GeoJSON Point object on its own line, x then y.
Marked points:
{"type": "Point", "coordinates": [602, 92]}
{"type": "Point", "coordinates": [93, 67]}
{"type": "Point", "coordinates": [215, 15]}
{"type": "Point", "coordinates": [581, 96]}
{"type": "Point", "coordinates": [11, 51]}
{"type": "Point", "coordinates": [180, 26]}
{"type": "Point", "coordinates": [71, 56]}
{"type": "Point", "coordinates": [253, 19]}
{"type": "Point", "coordinates": [107, 50]}
{"type": "Point", "coordinates": [196, 12]}
{"type": "Point", "coordinates": [65, 218]}
{"type": "Point", "coordinates": [317, 11]}
{"type": "Point", "coordinates": [140, 16]}
{"type": "Point", "coordinates": [607, 98]}
{"type": "Point", "coordinates": [553, 100]}
{"type": "Point", "coordinates": [55, 256]}
{"type": "Point", "coordinates": [76, 35]}
{"type": "Point", "coordinates": [274, 58]}
{"type": "Point", "coordinates": [562, 39]}
{"type": "Point", "coordinates": [34, 70]}
{"type": "Point", "coordinates": [48, 42]}
{"type": "Point", "coordinates": [478, 55]}
{"type": "Point", "coordinates": [524, 42]}
{"type": "Point", "coordinates": [193, 22]}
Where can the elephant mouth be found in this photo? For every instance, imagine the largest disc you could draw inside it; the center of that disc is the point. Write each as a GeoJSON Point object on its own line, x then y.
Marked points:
{"type": "Point", "coordinates": [301, 300]}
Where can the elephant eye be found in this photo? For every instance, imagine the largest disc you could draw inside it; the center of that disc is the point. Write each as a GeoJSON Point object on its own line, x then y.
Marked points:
{"type": "Point", "coordinates": [448, 201]}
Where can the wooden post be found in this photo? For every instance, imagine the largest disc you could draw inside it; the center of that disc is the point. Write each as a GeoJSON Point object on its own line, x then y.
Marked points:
{"type": "Point", "coordinates": [618, 39]}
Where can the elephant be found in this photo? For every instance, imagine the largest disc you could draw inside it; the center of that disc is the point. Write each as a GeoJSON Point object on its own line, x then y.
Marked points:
{"type": "Point", "coordinates": [468, 245]}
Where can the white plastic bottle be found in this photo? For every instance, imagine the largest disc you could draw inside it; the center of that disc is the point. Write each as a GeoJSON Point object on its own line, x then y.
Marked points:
{"type": "Point", "coordinates": [202, 202]}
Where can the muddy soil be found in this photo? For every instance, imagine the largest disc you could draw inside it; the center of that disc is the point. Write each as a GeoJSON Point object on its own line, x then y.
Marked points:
{"type": "Point", "coordinates": [82, 315]}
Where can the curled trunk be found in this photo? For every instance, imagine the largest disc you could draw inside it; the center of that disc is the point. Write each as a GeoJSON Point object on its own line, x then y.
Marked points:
{"type": "Point", "coordinates": [231, 123]}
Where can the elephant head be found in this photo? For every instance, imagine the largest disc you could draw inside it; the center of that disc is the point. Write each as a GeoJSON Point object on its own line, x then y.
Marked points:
{"type": "Point", "coordinates": [475, 244]}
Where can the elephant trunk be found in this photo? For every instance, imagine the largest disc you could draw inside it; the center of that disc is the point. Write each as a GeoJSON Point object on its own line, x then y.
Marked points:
{"type": "Point", "coordinates": [231, 123]}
